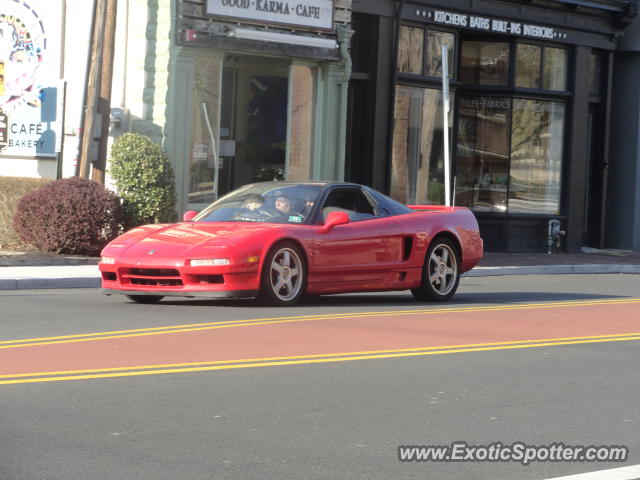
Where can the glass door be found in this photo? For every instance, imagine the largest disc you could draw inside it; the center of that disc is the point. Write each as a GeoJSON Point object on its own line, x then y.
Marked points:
{"type": "Point", "coordinates": [253, 125]}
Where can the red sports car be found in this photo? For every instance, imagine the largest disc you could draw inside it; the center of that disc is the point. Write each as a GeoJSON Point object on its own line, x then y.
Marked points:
{"type": "Point", "coordinates": [281, 240]}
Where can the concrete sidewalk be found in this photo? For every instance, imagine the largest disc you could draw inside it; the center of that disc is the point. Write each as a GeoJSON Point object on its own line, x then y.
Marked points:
{"type": "Point", "coordinates": [18, 272]}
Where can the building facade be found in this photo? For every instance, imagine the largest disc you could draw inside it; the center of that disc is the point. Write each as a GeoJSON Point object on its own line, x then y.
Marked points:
{"type": "Point", "coordinates": [623, 199]}
{"type": "Point", "coordinates": [235, 91]}
{"type": "Point", "coordinates": [531, 122]}
{"type": "Point", "coordinates": [254, 91]}
{"type": "Point", "coordinates": [543, 125]}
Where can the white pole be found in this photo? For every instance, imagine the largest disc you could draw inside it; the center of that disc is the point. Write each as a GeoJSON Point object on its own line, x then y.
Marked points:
{"type": "Point", "coordinates": [215, 150]}
{"type": "Point", "coordinates": [445, 114]}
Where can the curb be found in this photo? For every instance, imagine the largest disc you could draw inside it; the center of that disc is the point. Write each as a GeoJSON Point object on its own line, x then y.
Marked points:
{"type": "Point", "coordinates": [94, 281]}
{"type": "Point", "coordinates": [43, 283]}
{"type": "Point", "coordinates": [7, 261]}
{"type": "Point", "coordinates": [553, 270]}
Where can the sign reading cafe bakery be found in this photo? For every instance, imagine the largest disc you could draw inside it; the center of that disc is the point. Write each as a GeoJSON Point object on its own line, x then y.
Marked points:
{"type": "Point", "coordinates": [312, 14]}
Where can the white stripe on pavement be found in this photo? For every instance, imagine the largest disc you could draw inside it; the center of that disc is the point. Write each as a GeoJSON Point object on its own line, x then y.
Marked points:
{"type": "Point", "coordinates": [624, 473]}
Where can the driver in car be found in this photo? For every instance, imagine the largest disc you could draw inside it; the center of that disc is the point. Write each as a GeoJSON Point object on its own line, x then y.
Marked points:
{"type": "Point", "coordinates": [251, 209]}
{"type": "Point", "coordinates": [283, 205]}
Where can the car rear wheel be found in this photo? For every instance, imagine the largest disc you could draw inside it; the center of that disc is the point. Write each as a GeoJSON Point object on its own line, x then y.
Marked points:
{"type": "Point", "coordinates": [145, 298]}
{"type": "Point", "coordinates": [284, 275]}
{"type": "Point", "coordinates": [441, 271]}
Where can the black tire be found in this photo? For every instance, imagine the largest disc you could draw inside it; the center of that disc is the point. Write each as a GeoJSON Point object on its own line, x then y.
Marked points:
{"type": "Point", "coordinates": [441, 271]}
{"type": "Point", "coordinates": [145, 298]}
{"type": "Point", "coordinates": [284, 275]}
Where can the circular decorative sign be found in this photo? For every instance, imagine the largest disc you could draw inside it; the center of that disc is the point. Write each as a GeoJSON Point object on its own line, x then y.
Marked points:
{"type": "Point", "coordinates": [22, 49]}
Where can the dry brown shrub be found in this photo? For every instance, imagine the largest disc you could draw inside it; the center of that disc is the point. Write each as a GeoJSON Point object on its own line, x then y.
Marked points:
{"type": "Point", "coordinates": [11, 190]}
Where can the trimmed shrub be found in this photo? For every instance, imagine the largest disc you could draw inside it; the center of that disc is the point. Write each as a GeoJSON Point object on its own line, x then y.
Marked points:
{"type": "Point", "coordinates": [144, 179]}
{"type": "Point", "coordinates": [13, 189]}
{"type": "Point", "coordinates": [70, 215]}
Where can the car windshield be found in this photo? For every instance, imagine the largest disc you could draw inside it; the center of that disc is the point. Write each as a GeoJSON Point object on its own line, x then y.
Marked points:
{"type": "Point", "coordinates": [268, 202]}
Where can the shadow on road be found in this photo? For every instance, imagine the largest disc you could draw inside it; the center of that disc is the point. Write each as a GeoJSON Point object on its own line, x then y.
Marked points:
{"type": "Point", "coordinates": [405, 300]}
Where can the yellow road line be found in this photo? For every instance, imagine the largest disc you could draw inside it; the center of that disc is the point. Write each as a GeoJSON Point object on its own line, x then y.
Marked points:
{"type": "Point", "coordinates": [294, 319]}
{"type": "Point", "coordinates": [300, 360]}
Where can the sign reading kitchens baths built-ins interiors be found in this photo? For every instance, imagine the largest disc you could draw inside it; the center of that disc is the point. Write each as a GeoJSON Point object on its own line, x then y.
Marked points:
{"type": "Point", "coordinates": [487, 24]}
{"type": "Point", "coordinates": [314, 14]}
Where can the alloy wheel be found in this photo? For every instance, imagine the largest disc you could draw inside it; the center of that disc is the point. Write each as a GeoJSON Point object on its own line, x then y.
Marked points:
{"type": "Point", "coordinates": [285, 274]}
{"type": "Point", "coordinates": [443, 269]}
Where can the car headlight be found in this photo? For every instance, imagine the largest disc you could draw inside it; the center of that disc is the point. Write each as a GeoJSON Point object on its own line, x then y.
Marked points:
{"type": "Point", "coordinates": [209, 262]}
{"type": "Point", "coordinates": [108, 260]}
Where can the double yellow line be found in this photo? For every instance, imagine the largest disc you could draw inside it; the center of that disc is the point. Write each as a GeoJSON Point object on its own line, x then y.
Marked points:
{"type": "Point", "coordinates": [88, 337]}
{"type": "Point", "coordinates": [144, 370]}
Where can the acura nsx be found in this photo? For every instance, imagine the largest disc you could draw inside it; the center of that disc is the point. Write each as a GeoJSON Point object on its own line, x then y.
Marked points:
{"type": "Point", "coordinates": [279, 241]}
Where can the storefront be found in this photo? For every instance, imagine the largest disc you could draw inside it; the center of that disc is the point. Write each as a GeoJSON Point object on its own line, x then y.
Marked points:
{"type": "Point", "coordinates": [259, 93]}
{"type": "Point", "coordinates": [530, 123]}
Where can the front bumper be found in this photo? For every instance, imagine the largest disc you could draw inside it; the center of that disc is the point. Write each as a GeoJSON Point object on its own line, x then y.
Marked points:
{"type": "Point", "coordinates": [218, 294]}
{"type": "Point", "coordinates": [167, 278]}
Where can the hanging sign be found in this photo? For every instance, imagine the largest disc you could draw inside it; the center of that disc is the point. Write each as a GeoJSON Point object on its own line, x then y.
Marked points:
{"type": "Point", "coordinates": [312, 14]}
{"type": "Point", "coordinates": [30, 41]}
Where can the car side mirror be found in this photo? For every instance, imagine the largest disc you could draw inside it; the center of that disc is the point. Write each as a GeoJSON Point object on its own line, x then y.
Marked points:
{"type": "Point", "coordinates": [333, 219]}
{"type": "Point", "coordinates": [188, 215]}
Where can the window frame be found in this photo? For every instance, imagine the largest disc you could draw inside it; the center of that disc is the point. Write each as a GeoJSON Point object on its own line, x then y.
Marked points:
{"type": "Point", "coordinates": [422, 77]}
{"type": "Point", "coordinates": [318, 217]}
{"type": "Point", "coordinates": [540, 90]}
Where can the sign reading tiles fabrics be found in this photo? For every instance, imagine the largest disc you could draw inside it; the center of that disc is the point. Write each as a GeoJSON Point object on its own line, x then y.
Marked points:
{"type": "Point", "coordinates": [488, 24]}
{"type": "Point", "coordinates": [312, 14]}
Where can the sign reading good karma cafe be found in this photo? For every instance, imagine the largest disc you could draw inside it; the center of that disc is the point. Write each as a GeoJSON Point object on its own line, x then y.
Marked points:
{"type": "Point", "coordinates": [313, 14]}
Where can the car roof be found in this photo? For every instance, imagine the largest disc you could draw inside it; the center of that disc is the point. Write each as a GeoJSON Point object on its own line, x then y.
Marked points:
{"type": "Point", "coordinates": [287, 183]}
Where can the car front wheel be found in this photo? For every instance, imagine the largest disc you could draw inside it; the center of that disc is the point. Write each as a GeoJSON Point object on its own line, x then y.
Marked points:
{"type": "Point", "coordinates": [284, 275]}
{"type": "Point", "coordinates": [441, 271]}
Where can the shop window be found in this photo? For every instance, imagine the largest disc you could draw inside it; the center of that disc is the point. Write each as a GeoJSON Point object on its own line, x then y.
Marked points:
{"type": "Point", "coordinates": [435, 41]}
{"type": "Point", "coordinates": [536, 156]}
{"type": "Point", "coordinates": [410, 50]}
{"type": "Point", "coordinates": [555, 69]}
{"type": "Point", "coordinates": [509, 155]}
{"type": "Point", "coordinates": [302, 110]}
{"type": "Point", "coordinates": [414, 58]}
{"type": "Point", "coordinates": [418, 147]}
{"type": "Point", "coordinates": [595, 74]}
{"type": "Point", "coordinates": [482, 168]}
{"type": "Point", "coordinates": [204, 120]}
{"type": "Point", "coordinates": [484, 63]}
{"type": "Point", "coordinates": [528, 60]}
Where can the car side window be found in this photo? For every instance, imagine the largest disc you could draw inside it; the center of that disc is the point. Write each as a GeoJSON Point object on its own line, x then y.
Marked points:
{"type": "Point", "coordinates": [349, 200]}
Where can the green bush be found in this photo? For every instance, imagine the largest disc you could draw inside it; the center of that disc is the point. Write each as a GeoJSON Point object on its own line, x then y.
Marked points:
{"type": "Point", "coordinates": [71, 215]}
{"type": "Point", "coordinates": [11, 190]}
{"type": "Point", "coordinates": [144, 179]}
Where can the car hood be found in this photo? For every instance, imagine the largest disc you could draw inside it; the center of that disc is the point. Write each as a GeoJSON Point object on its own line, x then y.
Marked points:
{"type": "Point", "coordinates": [184, 239]}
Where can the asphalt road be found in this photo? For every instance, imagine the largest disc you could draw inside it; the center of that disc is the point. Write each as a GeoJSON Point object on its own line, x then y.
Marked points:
{"type": "Point", "coordinates": [343, 417]}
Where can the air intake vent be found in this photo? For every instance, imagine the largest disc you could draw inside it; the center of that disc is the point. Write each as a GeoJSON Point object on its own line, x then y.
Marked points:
{"type": "Point", "coordinates": [408, 246]}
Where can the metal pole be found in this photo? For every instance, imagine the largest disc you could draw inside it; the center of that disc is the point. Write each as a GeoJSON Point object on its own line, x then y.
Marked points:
{"type": "Point", "coordinates": [445, 123]}
{"type": "Point", "coordinates": [205, 114]}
